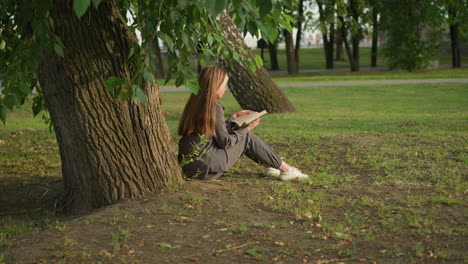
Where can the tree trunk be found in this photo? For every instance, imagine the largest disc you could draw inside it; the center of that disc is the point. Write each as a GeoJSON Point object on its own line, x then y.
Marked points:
{"type": "Point", "coordinates": [349, 52]}
{"type": "Point", "coordinates": [290, 58]}
{"type": "Point", "coordinates": [157, 60]}
{"type": "Point", "coordinates": [273, 56]}
{"type": "Point", "coordinates": [375, 37]}
{"type": "Point", "coordinates": [339, 48]}
{"type": "Point", "coordinates": [355, 39]}
{"type": "Point", "coordinates": [109, 149]}
{"type": "Point", "coordinates": [328, 45]}
{"type": "Point", "coordinates": [252, 90]}
{"type": "Point", "coordinates": [356, 35]}
{"type": "Point", "coordinates": [328, 35]}
{"type": "Point", "coordinates": [299, 34]}
{"type": "Point", "coordinates": [455, 41]}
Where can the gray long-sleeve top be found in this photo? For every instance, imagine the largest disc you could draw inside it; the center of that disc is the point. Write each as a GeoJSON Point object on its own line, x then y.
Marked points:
{"type": "Point", "coordinates": [208, 155]}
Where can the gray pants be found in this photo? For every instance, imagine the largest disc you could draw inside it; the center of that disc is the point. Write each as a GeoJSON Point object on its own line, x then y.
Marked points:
{"type": "Point", "coordinates": [252, 147]}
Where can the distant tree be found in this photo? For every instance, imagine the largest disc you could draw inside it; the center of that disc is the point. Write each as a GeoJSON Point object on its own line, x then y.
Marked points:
{"type": "Point", "coordinates": [413, 32]}
{"type": "Point", "coordinates": [457, 18]}
{"type": "Point", "coordinates": [375, 12]}
{"type": "Point", "coordinates": [262, 44]}
{"type": "Point", "coordinates": [156, 58]}
{"type": "Point", "coordinates": [339, 47]}
{"type": "Point", "coordinates": [292, 49]}
{"type": "Point", "coordinates": [273, 50]}
{"type": "Point", "coordinates": [327, 24]}
{"type": "Point", "coordinates": [350, 15]}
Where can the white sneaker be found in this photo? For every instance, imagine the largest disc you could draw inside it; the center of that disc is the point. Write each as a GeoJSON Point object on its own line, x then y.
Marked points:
{"type": "Point", "coordinates": [293, 174]}
{"type": "Point", "coordinates": [271, 172]}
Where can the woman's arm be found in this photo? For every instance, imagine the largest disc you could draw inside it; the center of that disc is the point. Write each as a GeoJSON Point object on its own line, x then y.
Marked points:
{"type": "Point", "coordinates": [223, 138]}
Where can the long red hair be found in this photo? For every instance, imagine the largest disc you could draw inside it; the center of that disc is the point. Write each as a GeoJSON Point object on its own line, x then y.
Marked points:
{"type": "Point", "coordinates": [199, 116]}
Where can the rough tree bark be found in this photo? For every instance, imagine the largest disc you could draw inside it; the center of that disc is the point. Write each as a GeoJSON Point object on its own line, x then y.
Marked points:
{"type": "Point", "coordinates": [455, 41]}
{"type": "Point", "coordinates": [253, 91]}
{"type": "Point", "coordinates": [109, 149]}
{"type": "Point", "coordinates": [273, 56]}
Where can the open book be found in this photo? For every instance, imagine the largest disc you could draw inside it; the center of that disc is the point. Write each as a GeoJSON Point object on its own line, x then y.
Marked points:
{"type": "Point", "coordinates": [246, 120]}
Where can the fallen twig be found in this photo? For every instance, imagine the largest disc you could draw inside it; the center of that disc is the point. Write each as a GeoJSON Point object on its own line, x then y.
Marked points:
{"type": "Point", "coordinates": [232, 248]}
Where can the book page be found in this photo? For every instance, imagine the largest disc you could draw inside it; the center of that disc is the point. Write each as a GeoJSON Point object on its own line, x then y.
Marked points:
{"type": "Point", "coordinates": [244, 121]}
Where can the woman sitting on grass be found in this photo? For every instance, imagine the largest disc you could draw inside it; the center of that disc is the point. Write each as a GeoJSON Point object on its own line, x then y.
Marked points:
{"type": "Point", "coordinates": [209, 146]}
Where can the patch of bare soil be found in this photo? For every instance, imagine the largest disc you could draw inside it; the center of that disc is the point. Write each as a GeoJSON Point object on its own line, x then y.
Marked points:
{"type": "Point", "coordinates": [205, 222]}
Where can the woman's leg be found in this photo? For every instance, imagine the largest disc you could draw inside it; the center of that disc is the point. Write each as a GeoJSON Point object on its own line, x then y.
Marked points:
{"type": "Point", "coordinates": [260, 152]}
{"type": "Point", "coordinates": [254, 148]}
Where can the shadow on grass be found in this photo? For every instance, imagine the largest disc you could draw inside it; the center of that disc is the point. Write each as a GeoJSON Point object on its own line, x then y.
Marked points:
{"type": "Point", "coordinates": [26, 198]}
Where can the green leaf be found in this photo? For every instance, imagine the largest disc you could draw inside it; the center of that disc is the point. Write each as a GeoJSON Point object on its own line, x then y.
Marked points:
{"type": "Point", "coordinates": [167, 40]}
{"type": "Point", "coordinates": [210, 39]}
{"type": "Point", "coordinates": [252, 65]}
{"type": "Point", "coordinates": [179, 80]}
{"type": "Point", "coordinates": [80, 7]}
{"type": "Point", "coordinates": [265, 7]}
{"type": "Point", "coordinates": [96, 3]}
{"type": "Point", "coordinates": [164, 245]}
{"type": "Point", "coordinates": [140, 95]}
{"type": "Point", "coordinates": [253, 252]}
{"type": "Point", "coordinates": [131, 53]}
{"type": "Point", "coordinates": [2, 45]}
{"type": "Point", "coordinates": [37, 105]}
{"type": "Point", "coordinates": [259, 61]}
{"type": "Point", "coordinates": [3, 114]}
{"type": "Point", "coordinates": [215, 7]}
{"type": "Point", "coordinates": [192, 86]}
{"type": "Point", "coordinates": [236, 57]}
{"type": "Point", "coordinates": [148, 76]}
{"type": "Point", "coordinates": [252, 28]}
{"type": "Point", "coordinates": [113, 82]}
{"type": "Point", "coordinates": [58, 49]}
{"type": "Point", "coordinates": [185, 38]}
{"type": "Point", "coordinates": [274, 34]}
{"type": "Point", "coordinates": [208, 52]}
{"type": "Point", "coordinates": [10, 101]}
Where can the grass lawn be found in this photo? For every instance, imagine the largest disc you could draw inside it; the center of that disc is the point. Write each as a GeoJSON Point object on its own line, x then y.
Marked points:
{"type": "Point", "coordinates": [388, 168]}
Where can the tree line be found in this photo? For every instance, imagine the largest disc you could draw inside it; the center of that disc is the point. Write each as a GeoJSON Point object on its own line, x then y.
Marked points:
{"type": "Point", "coordinates": [413, 31]}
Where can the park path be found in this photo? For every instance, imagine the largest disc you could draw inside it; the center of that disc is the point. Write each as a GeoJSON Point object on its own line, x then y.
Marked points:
{"type": "Point", "coordinates": [346, 83]}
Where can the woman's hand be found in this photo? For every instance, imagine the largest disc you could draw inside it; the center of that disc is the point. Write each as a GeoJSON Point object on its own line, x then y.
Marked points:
{"type": "Point", "coordinates": [253, 124]}
{"type": "Point", "coordinates": [241, 113]}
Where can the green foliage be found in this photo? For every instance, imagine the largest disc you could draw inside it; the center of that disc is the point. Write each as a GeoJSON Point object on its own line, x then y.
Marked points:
{"type": "Point", "coordinates": [188, 27]}
{"type": "Point", "coordinates": [24, 36]}
{"type": "Point", "coordinates": [197, 153]}
{"type": "Point", "coordinates": [413, 33]}
{"type": "Point", "coordinates": [27, 32]}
